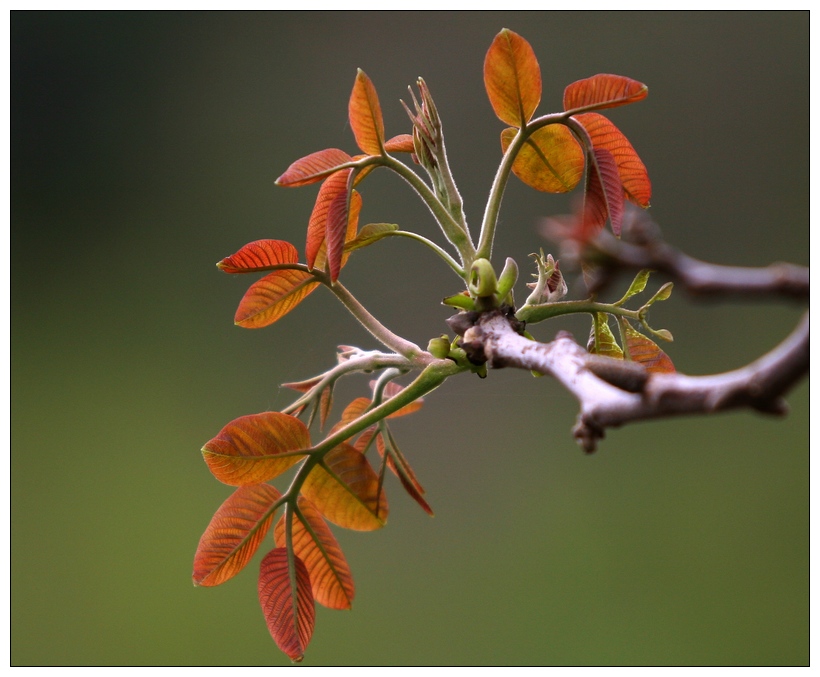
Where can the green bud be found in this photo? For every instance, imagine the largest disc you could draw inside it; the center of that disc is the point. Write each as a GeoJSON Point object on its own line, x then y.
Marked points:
{"type": "Point", "coordinates": [439, 347]}
{"type": "Point", "coordinates": [507, 280]}
{"type": "Point", "coordinates": [482, 279]}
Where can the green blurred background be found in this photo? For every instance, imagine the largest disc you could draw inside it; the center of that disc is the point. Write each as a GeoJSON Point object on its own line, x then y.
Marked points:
{"type": "Point", "coordinates": [144, 149]}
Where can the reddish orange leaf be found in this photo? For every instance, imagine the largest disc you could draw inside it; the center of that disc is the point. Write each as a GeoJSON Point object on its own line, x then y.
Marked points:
{"type": "Point", "coordinates": [235, 532]}
{"type": "Point", "coordinates": [512, 78]}
{"type": "Point", "coordinates": [248, 450]}
{"type": "Point", "coordinates": [342, 224]}
{"type": "Point", "coordinates": [403, 143]}
{"type": "Point", "coordinates": [351, 412]}
{"type": "Point", "coordinates": [347, 492]}
{"type": "Point", "coordinates": [290, 614]}
{"type": "Point", "coordinates": [365, 115]}
{"type": "Point", "coordinates": [317, 225]}
{"type": "Point", "coordinates": [646, 352]}
{"type": "Point", "coordinates": [551, 160]}
{"type": "Point", "coordinates": [604, 196]}
{"type": "Point", "coordinates": [313, 168]}
{"type": "Point", "coordinates": [613, 190]}
{"type": "Point", "coordinates": [314, 543]}
{"type": "Point", "coordinates": [393, 389]}
{"type": "Point", "coordinates": [273, 297]}
{"type": "Point", "coordinates": [603, 91]}
{"type": "Point", "coordinates": [364, 439]}
{"type": "Point", "coordinates": [325, 405]}
{"type": "Point", "coordinates": [401, 468]}
{"type": "Point", "coordinates": [632, 171]}
{"type": "Point", "coordinates": [259, 255]}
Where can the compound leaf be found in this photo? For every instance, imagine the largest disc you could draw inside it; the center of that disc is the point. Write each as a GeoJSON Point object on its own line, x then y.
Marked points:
{"type": "Point", "coordinates": [634, 177]}
{"type": "Point", "coordinates": [234, 534]}
{"type": "Point", "coordinates": [314, 544]}
{"type": "Point", "coordinates": [313, 168]}
{"type": "Point", "coordinates": [290, 613]}
{"type": "Point", "coordinates": [272, 297]}
{"type": "Point", "coordinates": [365, 115]}
{"type": "Point", "coordinates": [603, 91]}
{"type": "Point", "coordinates": [345, 489]}
{"type": "Point", "coordinates": [551, 160]}
{"type": "Point", "coordinates": [512, 78]}
{"type": "Point", "coordinates": [249, 449]}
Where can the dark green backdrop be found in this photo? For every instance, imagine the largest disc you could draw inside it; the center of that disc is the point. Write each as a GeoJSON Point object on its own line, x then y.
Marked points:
{"type": "Point", "coordinates": [144, 149]}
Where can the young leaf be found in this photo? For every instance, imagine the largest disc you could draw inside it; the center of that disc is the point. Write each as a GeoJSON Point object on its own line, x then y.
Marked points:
{"type": "Point", "coordinates": [351, 412]}
{"type": "Point", "coordinates": [342, 223]}
{"type": "Point", "coordinates": [234, 533]}
{"type": "Point", "coordinates": [646, 352]}
{"type": "Point", "coordinates": [603, 91]}
{"type": "Point", "coordinates": [512, 78]}
{"type": "Point", "coordinates": [325, 404]}
{"type": "Point", "coordinates": [313, 168]}
{"type": "Point", "coordinates": [314, 544]}
{"type": "Point", "coordinates": [365, 115]}
{"type": "Point", "coordinates": [372, 232]}
{"type": "Point", "coordinates": [632, 171]}
{"type": "Point", "coordinates": [272, 297]}
{"type": "Point", "coordinates": [317, 224]}
{"type": "Point", "coordinates": [604, 195]}
{"type": "Point", "coordinates": [258, 256]}
{"type": "Point", "coordinates": [393, 389]}
{"type": "Point", "coordinates": [401, 468]}
{"type": "Point", "coordinates": [249, 449]}
{"type": "Point", "coordinates": [551, 160]}
{"type": "Point", "coordinates": [403, 143]}
{"type": "Point", "coordinates": [601, 339]}
{"type": "Point", "coordinates": [345, 489]}
{"type": "Point", "coordinates": [290, 614]}
{"type": "Point", "coordinates": [637, 286]}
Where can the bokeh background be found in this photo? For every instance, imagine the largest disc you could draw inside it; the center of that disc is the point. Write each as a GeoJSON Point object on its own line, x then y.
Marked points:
{"type": "Point", "coordinates": [144, 149]}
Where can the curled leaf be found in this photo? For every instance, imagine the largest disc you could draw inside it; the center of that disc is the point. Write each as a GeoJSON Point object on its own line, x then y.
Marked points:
{"type": "Point", "coordinates": [346, 490]}
{"type": "Point", "coordinates": [512, 78]}
{"type": "Point", "coordinates": [403, 143]}
{"type": "Point", "coordinates": [342, 223]}
{"type": "Point", "coordinates": [289, 612]}
{"type": "Point", "coordinates": [603, 91]}
{"type": "Point", "coordinates": [365, 115]}
{"type": "Point", "coordinates": [313, 168]}
{"type": "Point", "coordinates": [314, 544]}
{"type": "Point", "coordinates": [604, 195]}
{"type": "Point", "coordinates": [234, 534]}
{"type": "Point", "coordinates": [333, 186]}
{"type": "Point", "coordinates": [272, 297]}
{"type": "Point", "coordinates": [551, 160]}
{"type": "Point", "coordinates": [249, 449]}
{"type": "Point", "coordinates": [258, 256]}
{"type": "Point", "coordinates": [631, 169]}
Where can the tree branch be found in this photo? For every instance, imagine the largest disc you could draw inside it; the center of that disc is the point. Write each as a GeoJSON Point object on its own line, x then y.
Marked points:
{"type": "Point", "coordinates": [612, 393]}
{"type": "Point", "coordinates": [642, 247]}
